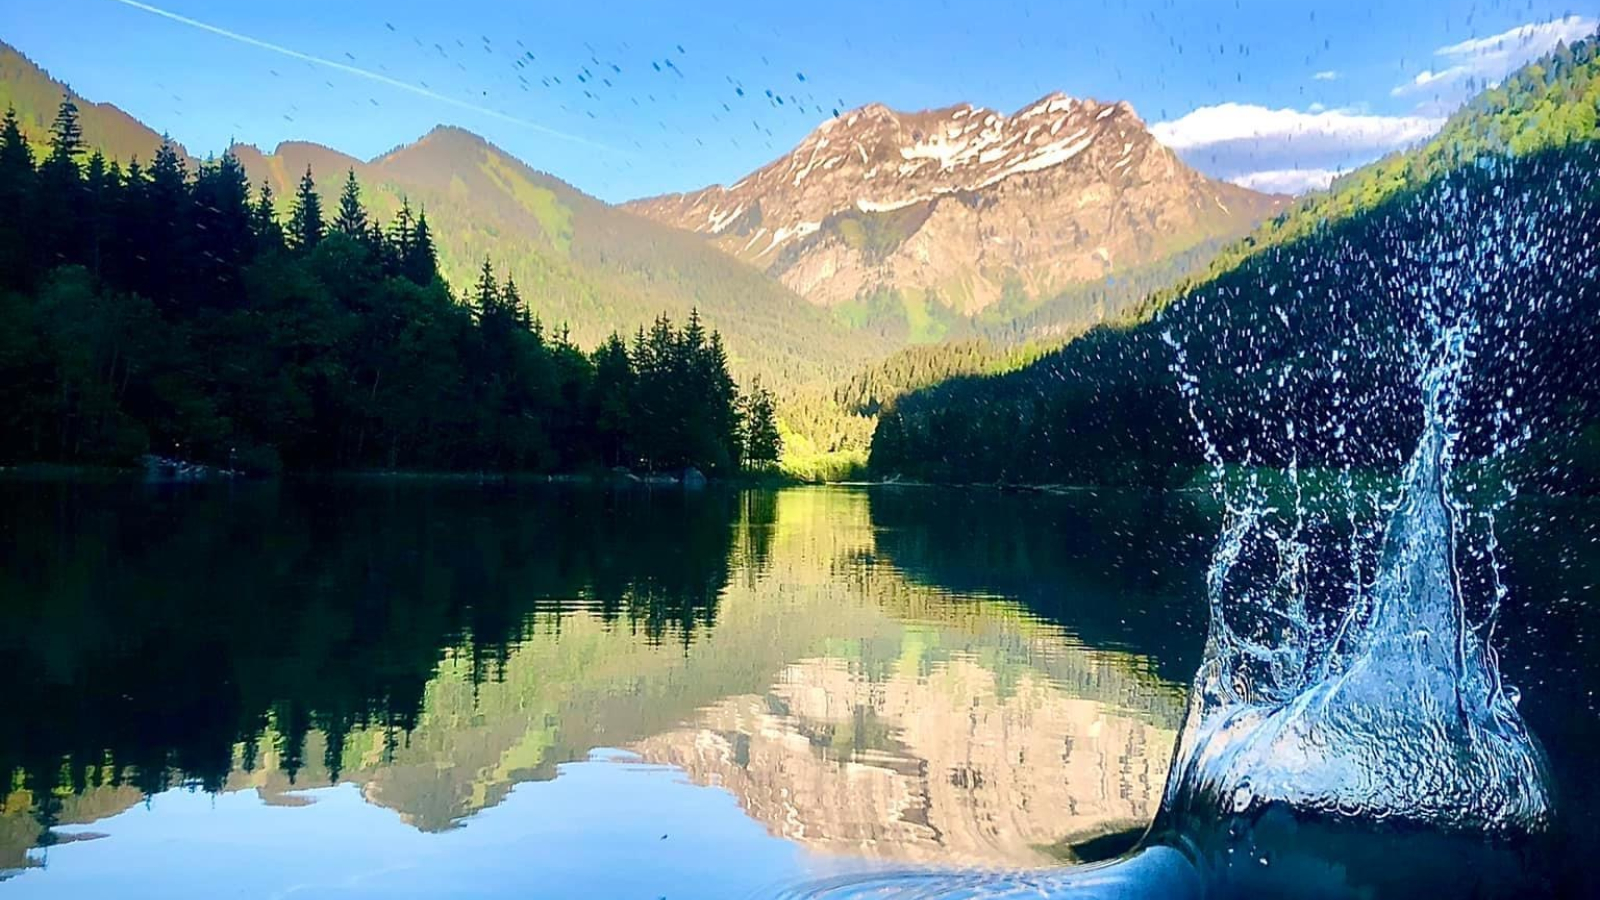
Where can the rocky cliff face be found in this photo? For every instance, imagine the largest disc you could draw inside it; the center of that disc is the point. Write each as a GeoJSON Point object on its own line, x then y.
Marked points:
{"type": "Point", "coordinates": [965, 204]}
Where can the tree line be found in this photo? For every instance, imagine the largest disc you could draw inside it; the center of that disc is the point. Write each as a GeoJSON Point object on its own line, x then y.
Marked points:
{"type": "Point", "coordinates": [151, 310]}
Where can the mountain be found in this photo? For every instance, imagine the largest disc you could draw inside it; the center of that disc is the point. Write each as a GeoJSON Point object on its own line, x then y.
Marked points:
{"type": "Point", "coordinates": [965, 208]}
{"type": "Point", "coordinates": [580, 262]}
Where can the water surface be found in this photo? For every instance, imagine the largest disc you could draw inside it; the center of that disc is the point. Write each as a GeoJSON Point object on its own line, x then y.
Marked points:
{"type": "Point", "coordinates": [348, 689]}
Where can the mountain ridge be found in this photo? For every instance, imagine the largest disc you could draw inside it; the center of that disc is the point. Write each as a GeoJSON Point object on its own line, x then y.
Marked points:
{"type": "Point", "coordinates": [26, 87]}
{"type": "Point", "coordinates": [965, 204]}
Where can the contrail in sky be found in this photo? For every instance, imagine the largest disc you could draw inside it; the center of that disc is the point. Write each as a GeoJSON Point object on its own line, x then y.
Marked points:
{"type": "Point", "coordinates": [361, 73]}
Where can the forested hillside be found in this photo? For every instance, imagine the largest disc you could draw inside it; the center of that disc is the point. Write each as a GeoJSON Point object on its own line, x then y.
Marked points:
{"type": "Point", "coordinates": [828, 432]}
{"type": "Point", "coordinates": [151, 310]}
{"type": "Point", "coordinates": [1498, 216]}
{"type": "Point", "coordinates": [580, 262]}
{"type": "Point", "coordinates": [1549, 103]}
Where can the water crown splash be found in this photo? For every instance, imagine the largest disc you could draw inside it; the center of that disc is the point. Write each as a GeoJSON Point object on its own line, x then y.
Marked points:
{"type": "Point", "coordinates": [1399, 713]}
{"type": "Point", "coordinates": [1382, 710]}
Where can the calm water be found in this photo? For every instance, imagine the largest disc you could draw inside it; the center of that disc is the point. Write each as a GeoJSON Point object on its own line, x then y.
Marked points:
{"type": "Point", "coordinates": [340, 690]}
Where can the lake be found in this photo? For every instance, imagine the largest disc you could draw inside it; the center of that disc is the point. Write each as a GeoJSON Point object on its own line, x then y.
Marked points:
{"type": "Point", "coordinates": [347, 689]}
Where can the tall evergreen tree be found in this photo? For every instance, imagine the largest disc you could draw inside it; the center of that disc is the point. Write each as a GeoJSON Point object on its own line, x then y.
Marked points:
{"type": "Point", "coordinates": [66, 134]}
{"type": "Point", "coordinates": [264, 225]}
{"type": "Point", "coordinates": [100, 189]}
{"type": "Point", "coordinates": [388, 259]}
{"type": "Point", "coordinates": [402, 232]}
{"type": "Point", "coordinates": [722, 406]}
{"type": "Point", "coordinates": [59, 210]}
{"type": "Point", "coordinates": [130, 215]}
{"type": "Point", "coordinates": [613, 390]}
{"type": "Point", "coordinates": [352, 218]}
{"type": "Point", "coordinates": [486, 296]}
{"type": "Point", "coordinates": [305, 222]}
{"type": "Point", "coordinates": [15, 154]}
{"type": "Point", "coordinates": [164, 215]}
{"type": "Point", "coordinates": [421, 261]}
{"type": "Point", "coordinates": [762, 443]}
{"type": "Point", "coordinates": [16, 188]}
{"type": "Point", "coordinates": [512, 300]}
{"type": "Point", "coordinates": [223, 234]}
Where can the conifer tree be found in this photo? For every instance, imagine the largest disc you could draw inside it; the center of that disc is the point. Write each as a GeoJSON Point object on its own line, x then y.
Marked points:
{"type": "Point", "coordinates": [421, 261]}
{"type": "Point", "coordinates": [375, 238]}
{"type": "Point", "coordinates": [101, 185]}
{"type": "Point", "coordinates": [130, 214]}
{"type": "Point", "coordinates": [352, 218]}
{"type": "Point", "coordinates": [264, 221]}
{"type": "Point", "coordinates": [15, 154]}
{"type": "Point", "coordinates": [613, 388]}
{"type": "Point", "coordinates": [512, 300]}
{"type": "Point", "coordinates": [401, 233]}
{"type": "Point", "coordinates": [223, 237]}
{"type": "Point", "coordinates": [486, 297]}
{"type": "Point", "coordinates": [722, 405]}
{"type": "Point", "coordinates": [66, 134]}
{"type": "Point", "coordinates": [163, 227]}
{"type": "Point", "coordinates": [16, 187]}
{"type": "Point", "coordinates": [762, 443]}
{"type": "Point", "coordinates": [59, 211]}
{"type": "Point", "coordinates": [305, 222]}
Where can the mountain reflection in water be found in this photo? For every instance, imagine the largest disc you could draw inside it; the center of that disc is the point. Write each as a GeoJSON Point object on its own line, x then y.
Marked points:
{"type": "Point", "coordinates": [436, 646]}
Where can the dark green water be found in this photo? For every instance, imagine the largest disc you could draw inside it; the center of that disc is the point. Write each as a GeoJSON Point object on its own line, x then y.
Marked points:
{"type": "Point", "coordinates": [449, 690]}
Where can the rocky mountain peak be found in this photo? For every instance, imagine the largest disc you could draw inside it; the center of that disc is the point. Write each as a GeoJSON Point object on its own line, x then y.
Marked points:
{"type": "Point", "coordinates": [972, 196]}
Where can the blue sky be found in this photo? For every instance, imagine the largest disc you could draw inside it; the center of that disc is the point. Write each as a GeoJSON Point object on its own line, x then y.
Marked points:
{"type": "Point", "coordinates": [626, 98]}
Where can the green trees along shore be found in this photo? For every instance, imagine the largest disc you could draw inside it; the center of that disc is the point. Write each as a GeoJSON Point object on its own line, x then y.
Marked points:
{"type": "Point", "coordinates": [151, 310]}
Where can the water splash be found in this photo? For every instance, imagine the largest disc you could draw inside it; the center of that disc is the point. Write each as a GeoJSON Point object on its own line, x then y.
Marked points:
{"type": "Point", "coordinates": [1397, 713]}
{"type": "Point", "coordinates": [1386, 704]}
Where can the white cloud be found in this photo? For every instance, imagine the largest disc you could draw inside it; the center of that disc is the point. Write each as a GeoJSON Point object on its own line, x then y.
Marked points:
{"type": "Point", "coordinates": [1470, 65]}
{"type": "Point", "coordinates": [1292, 151]}
{"type": "Point", "coordinates": [1287, 181]}
{"type": "Point", "coordinates": [1335, 131]}
{"type": "Point", "coordinates": [1287, 149]}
